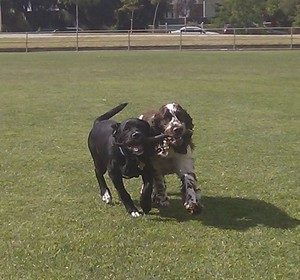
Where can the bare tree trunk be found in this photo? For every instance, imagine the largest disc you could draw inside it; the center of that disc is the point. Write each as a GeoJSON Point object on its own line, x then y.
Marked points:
{"type": "Point", "coordinates": [0, 18]}
{"type": "Point", "coordinates": [131, 21]}
{"type": "Point", "coordinates": [76, 18]}
{"type": "Point", "coordinates": [155, 14]}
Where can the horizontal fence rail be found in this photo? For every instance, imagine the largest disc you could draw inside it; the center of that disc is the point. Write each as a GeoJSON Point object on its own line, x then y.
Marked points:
{"type": "Point", "coordinates": [213, 39]}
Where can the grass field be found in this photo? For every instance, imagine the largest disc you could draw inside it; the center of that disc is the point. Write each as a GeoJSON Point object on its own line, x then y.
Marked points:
{"type": "Point", "coordinates": [246, 110]}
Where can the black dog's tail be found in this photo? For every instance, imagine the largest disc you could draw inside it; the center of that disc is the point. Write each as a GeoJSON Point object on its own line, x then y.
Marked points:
{"type": "Point", "coordinates": [112, 112]}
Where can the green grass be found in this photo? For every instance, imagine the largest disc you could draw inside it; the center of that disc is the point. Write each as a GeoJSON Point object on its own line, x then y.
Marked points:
{"type": "Point", "coordinates": [246, 110]}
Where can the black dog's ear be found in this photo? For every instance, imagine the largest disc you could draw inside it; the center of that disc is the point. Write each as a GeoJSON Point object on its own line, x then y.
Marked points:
{"type": "Point", "coordinates": [115, 128]}
{"type": "Point", "coordinates": [148, 129]}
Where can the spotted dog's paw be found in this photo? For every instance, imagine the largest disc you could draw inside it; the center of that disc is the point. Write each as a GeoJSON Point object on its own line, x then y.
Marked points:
{"type": "Point", "coordinates": [191, 201]}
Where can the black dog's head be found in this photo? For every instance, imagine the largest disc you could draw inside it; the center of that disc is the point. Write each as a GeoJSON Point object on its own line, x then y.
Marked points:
{"type": "Point", "coordinates": [135, 136]}
{"type": "Point", "coordinates": [132, 135]}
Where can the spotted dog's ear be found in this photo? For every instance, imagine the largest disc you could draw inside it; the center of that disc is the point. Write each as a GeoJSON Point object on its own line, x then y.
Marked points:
{"type": "Point", "coordinates": [189, 121]}
{"type": "Point", "coordinates": [185, 117]}
{"type": "Point", "coordinates": [156, 122]}
{"type": "Point", "coordinates": [187, 137]}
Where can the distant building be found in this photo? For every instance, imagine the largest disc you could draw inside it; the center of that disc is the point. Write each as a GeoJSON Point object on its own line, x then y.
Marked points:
{"type": "Point", "coordinates": [180, 10]}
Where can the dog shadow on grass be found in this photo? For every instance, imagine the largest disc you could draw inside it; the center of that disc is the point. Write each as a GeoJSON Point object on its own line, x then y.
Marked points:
{"type": "Point", "coordinates": [232, 213]}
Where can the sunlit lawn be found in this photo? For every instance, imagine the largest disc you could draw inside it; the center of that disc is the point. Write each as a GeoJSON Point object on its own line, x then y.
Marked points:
{"type": "Point", "coordinates": [245, 107]}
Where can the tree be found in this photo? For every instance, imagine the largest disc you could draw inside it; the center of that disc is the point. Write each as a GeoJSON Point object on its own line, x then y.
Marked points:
{"type": "Point", "coordinates": [135, 14]}
{"type": "Point", "coordinates": [296, 18]}
{"type": "Point", "coordinates": [273, 13]}
{"type": "Point", "coordinates": [127, 10]}
{"type": "Point", "coordinates": [280, 12]}
{"type": "Point", "coordinates": [160, 9]}
{"type": "Point", "coordinates": [93, 14]}
{"type": "Point", "coordinates": [239, 13]}
{"type": "Point", "coordinates": [14, 15]}
{"type": "Point", "coordinates": [289, 9]}
{"type": "Point", "coordinates": [26, 15]}
{"type": "Point", "coordinates": [156, 3]}
{"type": "Point", "coordinates": [101, 15]}
{"type": "Point", "coordinates": [0, 16]}
{"type": "Point", "coordinates": [242, 13]}
{"type": "Point", "coordinates": [43, 14]}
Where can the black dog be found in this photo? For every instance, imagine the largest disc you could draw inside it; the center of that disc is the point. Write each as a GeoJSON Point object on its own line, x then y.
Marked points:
{"type": "Point", "coordinates": [124, 149]}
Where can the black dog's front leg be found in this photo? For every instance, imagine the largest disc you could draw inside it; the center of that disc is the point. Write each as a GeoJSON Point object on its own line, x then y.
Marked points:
{"type": "Point", "coordinates": [145, 199]}
{"type": "Point", "coordinates": [146, 192]}
{"type": "Point", "coordinates": [117, 180]}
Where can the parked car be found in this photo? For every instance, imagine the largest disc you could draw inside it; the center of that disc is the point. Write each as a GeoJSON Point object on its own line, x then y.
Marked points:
{"type": "Point", "coordinates": [45, 29]}
{"type": "Point", "coordinates": [193, 30]}
{"type": "Point", "coordinates": [68, 29]}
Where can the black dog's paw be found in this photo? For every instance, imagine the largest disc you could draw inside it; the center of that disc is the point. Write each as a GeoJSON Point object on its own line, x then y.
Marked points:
{"type": "Point", "coordinates": [145, 199]}
{"type": "Point", "coordinates": [106, 198]}
{"type": "Point", "coordinates": [135, 214]}
{"type": "Point", "coordinates": [145, 203]}
{"type": "Point", "coordinates": [146, 206]}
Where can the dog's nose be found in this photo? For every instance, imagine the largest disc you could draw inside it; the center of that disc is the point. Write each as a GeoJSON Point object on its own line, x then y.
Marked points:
{"type": "Point", "coordinates": [178, 130]}
{"type": "Point", "coordinates": [136, 135]}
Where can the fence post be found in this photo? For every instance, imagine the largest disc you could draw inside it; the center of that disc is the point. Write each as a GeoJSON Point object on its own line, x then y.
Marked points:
{"type": "Point", "coordinates": [77, 42]}
{"type": "Point", "coordinates": [234, 39]}
{"type": "Point", "coordinates": [291, 38]}
{"type": "Point", "coordinates": [128, 46]}
{"type": "Point", "coordinates": [26, 42]}
{"type": "Point", "coordinates": [180, 41]}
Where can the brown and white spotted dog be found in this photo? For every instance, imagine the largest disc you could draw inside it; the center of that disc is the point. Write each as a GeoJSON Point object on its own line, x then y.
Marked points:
{"type": "Point", "coordinates": [174, 154]}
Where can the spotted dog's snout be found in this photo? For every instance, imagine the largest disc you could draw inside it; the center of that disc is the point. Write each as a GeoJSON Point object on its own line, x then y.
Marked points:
{"type": "Point", "coordinates": [178, 131]}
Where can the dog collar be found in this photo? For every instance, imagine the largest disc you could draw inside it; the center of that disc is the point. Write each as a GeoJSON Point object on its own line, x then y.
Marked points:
{"type": "Point", "coordinates": [121, 150]}
{"type": "Point", "coordinates": [127, 153]}
{"type": "Point", "coordinates": [140, 164]}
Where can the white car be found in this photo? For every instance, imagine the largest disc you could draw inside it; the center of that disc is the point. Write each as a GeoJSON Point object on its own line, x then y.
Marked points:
{"type": "Point", "coordinates": [193, 30]}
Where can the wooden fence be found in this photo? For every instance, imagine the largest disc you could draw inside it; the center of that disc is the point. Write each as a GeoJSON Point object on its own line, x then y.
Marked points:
{"type": "Point", "coordinates": [234, 39]}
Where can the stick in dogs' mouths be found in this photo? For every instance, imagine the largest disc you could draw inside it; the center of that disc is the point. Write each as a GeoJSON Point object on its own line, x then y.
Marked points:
{"type": "Point", "coordinates": [156, 138]}
{"type": "Point", "coordinates": [153, 139]}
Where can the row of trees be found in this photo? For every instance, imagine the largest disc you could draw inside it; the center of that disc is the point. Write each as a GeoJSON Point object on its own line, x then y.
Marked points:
{"type": "Point", "coordinates": [29, 15]}
{"type": "Point", "coordinates": [241, 13]}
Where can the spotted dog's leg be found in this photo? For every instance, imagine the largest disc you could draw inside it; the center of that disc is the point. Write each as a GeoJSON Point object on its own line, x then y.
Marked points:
{"type": "Point", "coordinates": [185, 171]}
{"type": "Point", "coordinates": [190, 195]}
{"type": "Point", "coordinates": [159, 195]}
